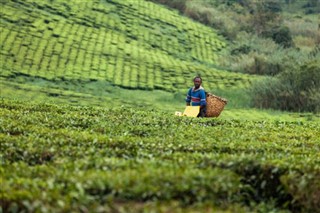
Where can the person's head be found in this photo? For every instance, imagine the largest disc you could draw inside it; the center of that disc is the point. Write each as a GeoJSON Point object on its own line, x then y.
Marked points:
{"type": "Point", "coordinates": [197, 81]}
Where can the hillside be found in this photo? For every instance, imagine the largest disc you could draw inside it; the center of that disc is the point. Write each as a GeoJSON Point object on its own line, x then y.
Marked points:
{"type": "Point", "coordinates": [87, 101]}
{"type": "Point", "coordinates": [275, 38]}
{"type": "Point", "coordinates": [131, 44]}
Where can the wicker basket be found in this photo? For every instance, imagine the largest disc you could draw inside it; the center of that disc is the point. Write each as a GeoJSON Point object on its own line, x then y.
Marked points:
{"type": "Point", "coordinates": [215, 105]}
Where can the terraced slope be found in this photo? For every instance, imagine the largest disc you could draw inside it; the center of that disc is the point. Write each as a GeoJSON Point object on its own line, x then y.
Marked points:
{"type": "Point", "coordinates": [133, 44]}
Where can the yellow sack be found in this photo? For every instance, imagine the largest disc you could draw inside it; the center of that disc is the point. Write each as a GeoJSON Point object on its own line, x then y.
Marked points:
{"type": "Point", "coordinates": [190, 111]}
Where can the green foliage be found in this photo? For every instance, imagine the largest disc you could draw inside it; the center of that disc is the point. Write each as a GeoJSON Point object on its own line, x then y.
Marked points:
{"type": "Point", "coordinates": [100, 93]}
{"type": "Point", "coordinates": [177, 4]}
{"type": "Point", "coordinates": [303, 187]}
{"type": "Point", "coordinates": [295, 90]}
{"type": "Point", "coordinates": [71, 158]}
{"type": "Point", "coordinates": [120, 158]}
{"type": "Point", "coordinates": [281, 35]}
{"type": "Point", "coordinates": [262, 57]}
{"type": "Point", "coordinates": [265, 92]}
{"type": "Point", "coordinates": [208, 13]}
{"type": "Point", "coordinates": [130, 45]}
{"type": "Point", "coordinates": [267, 19]}
{"type": "Point", "coordinates": [108, 41]}
{"type": "Point", "coordinates": [265, 15]}
{"type": "Point", "coordinates": [312, 7]}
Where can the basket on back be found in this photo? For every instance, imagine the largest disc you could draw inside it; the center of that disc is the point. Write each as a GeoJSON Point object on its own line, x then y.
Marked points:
{"type": "Point", "coordinates": [215, 105]}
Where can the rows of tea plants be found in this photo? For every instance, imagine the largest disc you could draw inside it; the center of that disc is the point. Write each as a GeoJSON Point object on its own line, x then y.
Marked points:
{"type": "Point", "coordinates": [98, 93]}
{"type": "Point", "coordinates": [133, 44]}
{"type": "Point", "coordinates": [62, 158]}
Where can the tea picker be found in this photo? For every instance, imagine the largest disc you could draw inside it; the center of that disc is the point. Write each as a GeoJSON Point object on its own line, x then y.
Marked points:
{"type": "Point", "coordinates": [202, 104]}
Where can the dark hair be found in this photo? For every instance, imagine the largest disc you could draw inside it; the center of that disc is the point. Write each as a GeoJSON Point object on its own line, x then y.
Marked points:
{"type": "Point", "coordinates": [197, 77]}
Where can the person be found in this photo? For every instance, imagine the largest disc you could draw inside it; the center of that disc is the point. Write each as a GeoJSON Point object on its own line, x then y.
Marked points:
{"type": "Point", "coordinates": [197, 96]}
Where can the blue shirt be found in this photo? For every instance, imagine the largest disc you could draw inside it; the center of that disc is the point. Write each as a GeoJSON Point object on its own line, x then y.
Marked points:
{"type": "Point", "coordinates": [197, 97]}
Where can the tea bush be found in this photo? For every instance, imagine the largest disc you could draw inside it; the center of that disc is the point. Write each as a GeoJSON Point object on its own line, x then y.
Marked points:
{"type": "Point", "coordinates": [130, 44]}
{"type": "Point", "coordinates": [68, 158]}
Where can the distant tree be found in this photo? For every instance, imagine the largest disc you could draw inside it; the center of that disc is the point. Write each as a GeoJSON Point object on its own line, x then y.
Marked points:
{"type": "Point", "coordinates": [281, 35]}
{"type": "Point", "coordinates": [312, 3]}
{"type": "Point", "coordinates": [265, 15]}
{"type": "Point", "coordinates": [312, 7]}
{"type": "Point", "coordinates": [267, 22]}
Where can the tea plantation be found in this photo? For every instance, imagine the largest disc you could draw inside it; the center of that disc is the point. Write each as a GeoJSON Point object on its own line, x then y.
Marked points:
{"type": "Point", "coordinates": [87, 101]}
{"type": "Point", "coordinates": [131, 44]}
{"type": "Point", "coordinates": [62, 158]}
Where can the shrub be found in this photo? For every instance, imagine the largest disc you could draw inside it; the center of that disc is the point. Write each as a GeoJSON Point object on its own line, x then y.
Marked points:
{"type": "Point", "coordinates": [281, 35]}
{"type": "Point", "coordinates": [243, 49]}
{"type": "Point", "coordinates": [305, 189]}
{"type": "Point", "coordinates": [312, 7]}
{"type": "Point", "coordinates": [177, 4]}
{"type": "Point", "coordinates": [266, 15]}
{"type": "Point", "coordinates": [213, 17]}
{"type": "Point", "coordinates": [293, 90]}
{"type": "Point", "coordinates": [262, 65]}
{"type": "Point", "coordinates": [273, 63]}
{"type": "Point", "coordinates": [265, 92]}
{"type": "Point", "coordinates": [261, 56]}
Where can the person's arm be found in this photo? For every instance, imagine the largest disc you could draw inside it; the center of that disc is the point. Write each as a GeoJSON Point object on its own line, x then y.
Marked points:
{"type": "Point", "coordinates": [188, 98]}
{"type": "Point", "coordinates": [203, 101]}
